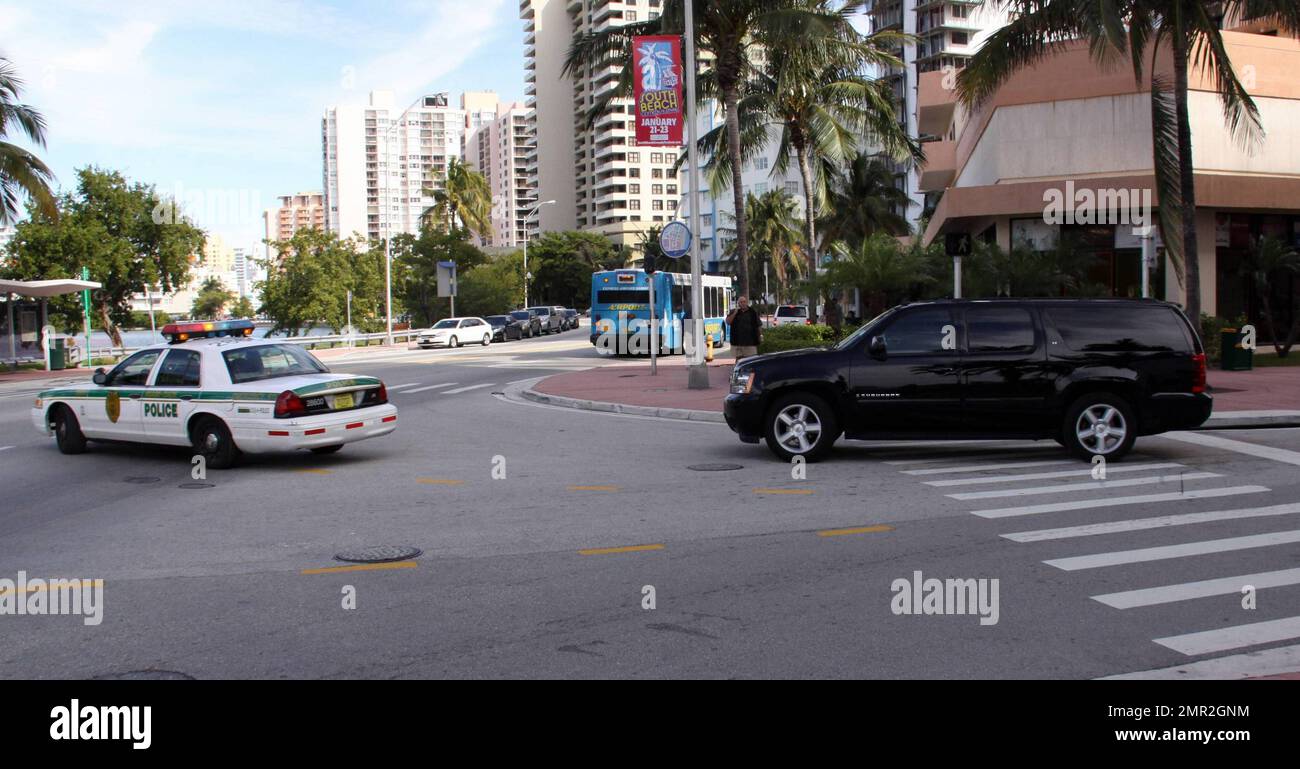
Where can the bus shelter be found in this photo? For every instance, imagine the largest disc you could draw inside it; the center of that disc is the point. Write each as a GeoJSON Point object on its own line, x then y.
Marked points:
{"type": "Point", "coordinates": [26, 313]}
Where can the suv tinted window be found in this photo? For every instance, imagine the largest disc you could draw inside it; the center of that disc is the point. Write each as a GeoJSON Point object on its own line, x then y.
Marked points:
{"type": "Point", "coordinates": [179, 369]}
{"type": "Point", "coordinates": [919, 331]}
{"type": "Point", "coordinates": [999, 329]}
{"type": "Point", "coordinates": [1119, 329]}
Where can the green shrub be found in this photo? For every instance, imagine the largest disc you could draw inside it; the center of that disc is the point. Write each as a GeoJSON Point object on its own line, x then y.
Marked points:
{"type": "Point", "coordinates": [794, 337]}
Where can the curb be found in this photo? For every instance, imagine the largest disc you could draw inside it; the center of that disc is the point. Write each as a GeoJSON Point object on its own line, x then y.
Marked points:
{"type": "Point", "coordinates": [685, 415]}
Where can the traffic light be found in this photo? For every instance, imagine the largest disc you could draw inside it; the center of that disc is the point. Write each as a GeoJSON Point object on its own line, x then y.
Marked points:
{"type": "Point", "coordinates": [648, 263]}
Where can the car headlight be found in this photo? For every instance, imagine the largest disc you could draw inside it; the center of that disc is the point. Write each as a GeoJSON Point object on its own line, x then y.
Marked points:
{"type": "Point", "coordinates": [741, 384]}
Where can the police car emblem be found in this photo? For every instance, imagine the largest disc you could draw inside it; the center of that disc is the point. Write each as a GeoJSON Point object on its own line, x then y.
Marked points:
{"type": "Point", "coordinates": [113, 405]}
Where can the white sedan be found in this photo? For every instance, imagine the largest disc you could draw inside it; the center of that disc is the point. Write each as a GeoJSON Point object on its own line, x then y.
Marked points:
{"type": "Point", "coordinates": [222, 393]}
{"type": "Point", "coordinates": [454, 332]}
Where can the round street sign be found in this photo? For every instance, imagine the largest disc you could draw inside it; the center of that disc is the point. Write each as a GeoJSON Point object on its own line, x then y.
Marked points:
{"type": "Point", "coordinates": [675, 240]}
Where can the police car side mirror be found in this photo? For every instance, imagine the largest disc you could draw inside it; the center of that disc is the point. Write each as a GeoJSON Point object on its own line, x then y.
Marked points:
{"type": "Point", "coordinates": [877, 347]}
{"type": "Point", "coordinates": [100, 377]}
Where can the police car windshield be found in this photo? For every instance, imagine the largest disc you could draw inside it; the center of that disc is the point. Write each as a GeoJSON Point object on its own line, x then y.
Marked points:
{"type": "Point", "coordinates": [268, 361]}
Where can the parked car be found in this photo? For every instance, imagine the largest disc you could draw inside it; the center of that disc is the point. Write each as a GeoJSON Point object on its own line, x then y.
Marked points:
{"type": "Point", "coordinates": [571, 318]}
{"type": "Point", "coordinates": [505, 327]}
{"type": "Point", "coordinates": [454, 332]}
{"type": "Point", "coordinates": [1093, 374]}
{"type": "Point", "coordinates": [532, 325]}
{"type": "Point", "coordinates": [549, 318]}
{"type": "Point", "coordinates": [791, 314]}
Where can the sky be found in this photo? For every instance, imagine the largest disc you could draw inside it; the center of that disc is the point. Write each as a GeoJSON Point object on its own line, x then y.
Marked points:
{"type": "Point", "coordinates": [219, 104]}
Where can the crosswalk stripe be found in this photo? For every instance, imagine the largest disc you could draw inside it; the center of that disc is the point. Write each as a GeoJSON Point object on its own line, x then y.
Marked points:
{"type": "Point", "coordinates": [1044, 476]}
{"type": "Point", "coordinates": [400, 386]}
{"type": "Point", "coordinates": [467, 389]}
{"type": "Point", "coordinates": [1236, 637]}
{"type": "Point", "coordinates": [1264, 662]}
{"type": "Point", "coordinates": [1241, 447]}
{"type": "Point", "coordinates": [1165, 552]}
{"type": "Point", "coordinates": [1088, 486]}
{"type": "Point", "coordinates": [1139, 499]}
{"type": "Point", "coordinates": [992, 466]}
{"type": "Point", "coordinates": [1139, 524]}
{"type": "Point", "coordinates": [924, 457]}
{"type": "Point", "coordinates": [1151, 596]}
{"type": "Point", "coordinates": [430, 387]}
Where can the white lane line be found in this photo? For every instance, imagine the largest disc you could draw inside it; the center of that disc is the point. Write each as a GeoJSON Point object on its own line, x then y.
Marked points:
{"type": "Point", "coordinates": [1165, 552]}
{"type": "Point", "coordinates": [993, 466]}
{"type": "Point", "coordinates": [1139, 524]}
{"type": "Point", "coordinates": [1266, 662]}
{"type": "Point", "coordinates": [1241, 447]}
{"type": "Point", "coordinates": [430, 387]}
{"type": "Point", "coordinates": [5, 448]}
{"type": "Point", "coordinates": [1042, 476]}
{"type": "Point", "coordinates": [467, 389]}
{"type": "Point", "coordinates": [1152, 596]}
{"type": "Point", "coordinates": [1140, 499]}
{"type": "Point", "coordinates": [400, 386]}
{"type": "Point", "coordinates": [1066, 488]}
{"type": "Point", "coordinates": [1254, 634]}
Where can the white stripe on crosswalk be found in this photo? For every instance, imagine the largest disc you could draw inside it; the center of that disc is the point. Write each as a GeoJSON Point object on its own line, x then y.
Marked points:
{"type": "Point", "coordinates": [1151, 596]}
{"type": "Point", "coordinates": [400, 386]}
{"type": "Point", "coordinates": [467, 389]}
{"type": "Point", "coordinates": [1165, 552]}
{"type": "Point", "coordinates": [1254, 634]}
{"type": "Point", "coordinates": [1140, 524]}
{"type": "Point", "coordinates": [1139, 499]}
{"type": "Point", "coordinates": [1241, 447]}
{"type": "Point", "coordinates": [1044, 476]}
{"type": "Point", "coordinates": [983, 468]}
{"type": "Point", "coordinates": [921, 457]}
{"type": "Point", "coordinates": [1088, 486]}
{"type": "Point", "coordinates": [430, 387]}
{"type": "Point", "coordinates": [1265, 662]}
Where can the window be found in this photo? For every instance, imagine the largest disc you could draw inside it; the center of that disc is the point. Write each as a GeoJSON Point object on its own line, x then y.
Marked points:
{"type": "Point", "coordinates": [656, 157]}
{"type": "Point", "coordinates": [657, 173]}
{"type": "Point", "coordinates": [760, 163]}
{"type": "Point", "coordinates": [635, 173]}
{"type": "Point", "coordinates": [634, 157]}
{"type": "Point", "coordinates": [999, 329]}
{"type": "Point", "coordinates": [635, 189]}
{"type": "Point", "coordinates": [1120, 329]}
{"type": "Point", "coordinates": [179, 369]}
{"type": "Point", "coordinates": [960, 38]}
{"type": "Point", "coordinates": [656, 189]}
{"type": "Point", "coordinates": [634, 205]}
{"type": "Point", "coordinates": [657, 205]}
{"type": "Point", "coordinates": [672, 189]}
{"type": "Point", "coordinates": [706, 220]}
{"type": "Point", "coordinates": [267, 361]}
{"type": "Point", "coordinates": [134, 371]}
{"type": "Point", "coordinates": [920, 332]}
{"type": "Point", "coordinates": [672, 205]}
{"type": "Point", "coordinates": [792, 188]}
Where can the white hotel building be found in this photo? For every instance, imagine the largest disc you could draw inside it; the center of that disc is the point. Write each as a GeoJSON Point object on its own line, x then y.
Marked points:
{"type": "Point", "coordinates": [499, 144]}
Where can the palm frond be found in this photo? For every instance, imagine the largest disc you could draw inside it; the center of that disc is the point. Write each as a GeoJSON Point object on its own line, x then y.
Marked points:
{"type": "Point", "coordinates": [1168, 174]}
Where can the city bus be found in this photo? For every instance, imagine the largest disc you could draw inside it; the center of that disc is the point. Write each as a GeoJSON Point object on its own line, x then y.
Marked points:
{"type": "Point", "coordinates": [620, 309]}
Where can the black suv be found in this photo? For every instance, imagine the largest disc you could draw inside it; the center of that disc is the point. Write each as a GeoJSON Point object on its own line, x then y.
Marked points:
{"type": "Point", "coordinates": [1093, 374]}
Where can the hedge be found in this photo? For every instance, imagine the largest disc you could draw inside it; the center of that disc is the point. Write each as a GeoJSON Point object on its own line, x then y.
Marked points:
{"type": "Point", "coordinates": [794, 337]}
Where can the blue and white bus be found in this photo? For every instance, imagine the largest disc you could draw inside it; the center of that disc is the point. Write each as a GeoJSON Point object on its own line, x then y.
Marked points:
{"type": "Point", "coordinates": [620, 309]}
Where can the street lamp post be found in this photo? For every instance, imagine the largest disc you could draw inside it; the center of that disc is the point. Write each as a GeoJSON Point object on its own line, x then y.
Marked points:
{"type": "Point", "coordinates": [528, 216]}
{"type": "Point", "coordinates": [387, 228]}
{"type": "Point", "coordinates": [697, 369]}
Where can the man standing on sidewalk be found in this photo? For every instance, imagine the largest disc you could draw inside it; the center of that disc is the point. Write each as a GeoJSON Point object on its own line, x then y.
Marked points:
{"type": "Point", "coordinates": [746, 329]}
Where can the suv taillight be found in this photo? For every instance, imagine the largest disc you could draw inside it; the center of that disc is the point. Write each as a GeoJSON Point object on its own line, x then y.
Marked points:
{"type": "Point", "coordinates": [288, 404]}
{"type": "Point", "coordinates": [1198, 377]}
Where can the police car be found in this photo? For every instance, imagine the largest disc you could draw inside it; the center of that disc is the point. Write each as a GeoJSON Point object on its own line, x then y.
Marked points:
{"type": "Point", "coordinates": [218, 390]}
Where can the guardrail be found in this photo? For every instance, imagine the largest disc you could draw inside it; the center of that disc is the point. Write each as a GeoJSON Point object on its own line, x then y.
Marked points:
{"type": "Point", "coordinates": [324, 341]}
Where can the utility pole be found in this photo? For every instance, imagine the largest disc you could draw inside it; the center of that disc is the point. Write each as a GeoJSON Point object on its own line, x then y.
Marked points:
{"type": "Point", "coordinates": [697, 369]}
{"type": "Point", "coordinates": [528, 216]}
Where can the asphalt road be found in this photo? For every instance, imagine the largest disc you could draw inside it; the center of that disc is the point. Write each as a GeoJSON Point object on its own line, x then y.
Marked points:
{"type": "Point", "coordinates": [755, 573]}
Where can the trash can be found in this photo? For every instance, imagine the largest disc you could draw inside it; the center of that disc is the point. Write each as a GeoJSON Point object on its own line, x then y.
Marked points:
{"type": "Point", "coordinates": [1234, 357]}
{"type": "Point", "coordinates": [58, 354]}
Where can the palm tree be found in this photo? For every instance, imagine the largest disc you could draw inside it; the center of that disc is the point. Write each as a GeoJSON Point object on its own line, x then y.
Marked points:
{"type": "Point", "coordinates": [20, 170]}
{"type": "Point", "coordinates": [774, 227]}
{"type": "Point", "coordinates": [1135, 28]}
{"type": "Point", "coordinates": [880, 268]}
{"type": "Point", "coordinates": [465, 196]}
{"type": "Point", "coordinates": [864, 200]}
{"type": "Point", "coordinates": [1266, 267]}
{"type": "Point", "coordinates": [725, 31]}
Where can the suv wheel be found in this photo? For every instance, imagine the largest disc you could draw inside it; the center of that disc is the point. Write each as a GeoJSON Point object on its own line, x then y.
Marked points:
{"type": "Point", "coordinates": [801, 424]}
{"type": "Point", "coordinates": [212, 439]}
{"type": "Point", "coordinates": [67, 431]}
{"type": "Point", "coordinates": [1099, 424]}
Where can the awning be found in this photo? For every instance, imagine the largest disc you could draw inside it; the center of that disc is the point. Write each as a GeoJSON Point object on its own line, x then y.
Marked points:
{"type": "Point", "coordinates": [46, 288]}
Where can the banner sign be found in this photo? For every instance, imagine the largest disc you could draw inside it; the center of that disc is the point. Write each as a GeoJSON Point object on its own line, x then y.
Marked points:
{"type": "Point", "coordinates": [658, 90]}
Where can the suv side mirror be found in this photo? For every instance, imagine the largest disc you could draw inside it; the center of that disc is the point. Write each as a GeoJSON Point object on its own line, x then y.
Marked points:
{"type": "Point", "coordinates": [877, 347]}
{"type": "Point", "coordinates": [100, 377]}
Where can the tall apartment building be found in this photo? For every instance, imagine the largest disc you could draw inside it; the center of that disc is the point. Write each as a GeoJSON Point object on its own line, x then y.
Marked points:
{"type": "Point", "coordinates": [296, 212]}
{"type": "Point", "coordinates": [382, 161]}
{"type": "Point", "coordinates": [947, 33]}
{"type": "Point", "coordinates": [498, 143]}
{"type": "Point", "coordinates": [600, 180]}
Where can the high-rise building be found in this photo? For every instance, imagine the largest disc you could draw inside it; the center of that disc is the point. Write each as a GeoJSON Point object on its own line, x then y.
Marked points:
{"type": "Point", "coordinates": [299, 211]}
{"type": "Point", "coordinates": [599, 179]}
{"type": "Point", "coordinates": [945, 34]}
{"type": "Point", "coordinates": [382, 163]}
{"type": "Point", "coordinates": [498, 147]}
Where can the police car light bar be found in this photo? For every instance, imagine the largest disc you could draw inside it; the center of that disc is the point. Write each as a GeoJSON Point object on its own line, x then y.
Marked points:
{"type": "Point", "coordinates": [181, 332]}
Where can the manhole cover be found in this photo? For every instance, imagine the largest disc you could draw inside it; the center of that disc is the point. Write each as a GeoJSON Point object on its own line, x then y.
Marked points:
{"type": "Point", "coordinates": [146, 675]}
{"type": "Point", "coordinates": [142, 479]}
{"type": "Point", "coordinates": [714, 468]}
{"type": "Point", "coordinates": [379, 554]}
{"type": "Point", "coordinates": [197, 485]}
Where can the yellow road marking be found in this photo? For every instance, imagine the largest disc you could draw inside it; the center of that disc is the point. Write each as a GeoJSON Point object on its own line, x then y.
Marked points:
{"type": "Point", "coordinates": [628, 549]}
{"type": "Point", "coordinates": [593, 488]}
{"type": "Point", "coordinates": [362, 567]}
{"type": "Point", "coordinates": [859, 530]}
{"type": "Point", "coordinates": [76, 583]}
{"type": "Point", "coordinates": [438, 481]}
{"type": "Point", "coordinates": [801, 492]}
{"type": "Point", "coordinates": [315, 471]}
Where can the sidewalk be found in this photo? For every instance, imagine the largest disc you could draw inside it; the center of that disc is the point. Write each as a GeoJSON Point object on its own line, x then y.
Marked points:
{"type": "Point", "coordinates": [1267, 397]}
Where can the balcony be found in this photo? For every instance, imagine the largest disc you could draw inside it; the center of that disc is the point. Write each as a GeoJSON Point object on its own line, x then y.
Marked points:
{"type": "Point", "coordinates": [940, 166]}
{"type": "Point", "coordinates": [935, 104]}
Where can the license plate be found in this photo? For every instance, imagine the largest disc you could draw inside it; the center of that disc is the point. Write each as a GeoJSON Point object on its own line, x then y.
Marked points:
{"type": "Point", "coordinates": [344, 401]}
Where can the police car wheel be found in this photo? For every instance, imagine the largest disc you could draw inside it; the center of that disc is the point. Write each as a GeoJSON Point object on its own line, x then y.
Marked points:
{"type": "Point", "coordinates": [212, 439]}
{"type": "Point", "coordinates": [67, 432]}
{"type": "Point", "coordinates": [327, 449]}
